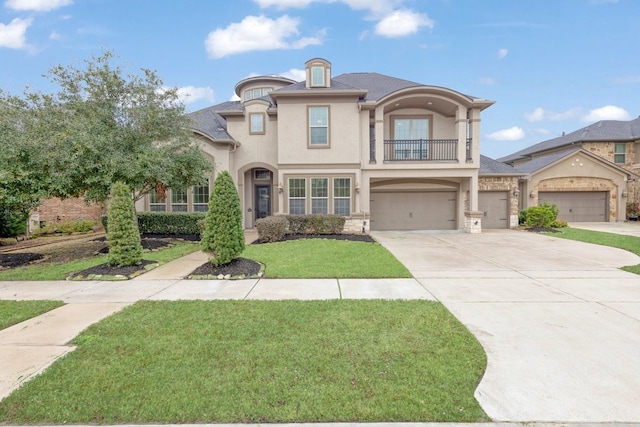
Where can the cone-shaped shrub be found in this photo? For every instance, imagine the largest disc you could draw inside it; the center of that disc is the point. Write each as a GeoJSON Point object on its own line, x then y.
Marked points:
{"type": "Point", "coordinates": [223, 235]}
{"type": "Point", "coordinates": [123, 236]}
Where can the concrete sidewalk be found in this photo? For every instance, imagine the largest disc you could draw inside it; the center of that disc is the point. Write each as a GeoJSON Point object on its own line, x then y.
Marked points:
{"type": "Point", "coordinates": [560, 323]}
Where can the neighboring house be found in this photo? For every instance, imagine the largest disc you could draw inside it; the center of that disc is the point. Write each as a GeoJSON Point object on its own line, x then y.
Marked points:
{"type": "Point", "coordinates": [386, 153]}
{"type": "Point", "coordinates": [590, 174]}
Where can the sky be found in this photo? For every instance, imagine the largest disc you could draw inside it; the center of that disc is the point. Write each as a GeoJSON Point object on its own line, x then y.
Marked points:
{"type": "Point", "coordinates": [551, 66]}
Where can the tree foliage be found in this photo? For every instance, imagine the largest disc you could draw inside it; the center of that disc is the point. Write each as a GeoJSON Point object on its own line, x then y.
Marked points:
{"type": "Point", "coordinates": [123, 237]}
{"type": "Point", "coordinates": [223, 234]}
{"type": "Point", "coordinates": [100, 127]}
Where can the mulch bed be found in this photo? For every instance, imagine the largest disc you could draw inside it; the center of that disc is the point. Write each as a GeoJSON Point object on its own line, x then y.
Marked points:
{"type": "Point", "coordinates": [238, 268]}
{"type": "Point", "coordinates": [350, 237]}
{"type": "Point", "coordinates": [18, 259]}
{"type": "Point", "coordinates": [542, 230]}
{"type": "Point", "coordinates": [112, 271]}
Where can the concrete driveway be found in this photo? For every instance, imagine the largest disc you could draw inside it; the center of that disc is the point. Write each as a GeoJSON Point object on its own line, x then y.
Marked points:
{"type": "Point", "coordinates": [560, 323]}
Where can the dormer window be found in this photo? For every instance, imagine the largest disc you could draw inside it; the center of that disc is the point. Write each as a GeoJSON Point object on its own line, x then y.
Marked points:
{"type": "Point", "coordinates": [256, 93]}
{"type": "Point", "coordinates": [317, 76]}
{"type": "Point", "coordinates": [318, 73]}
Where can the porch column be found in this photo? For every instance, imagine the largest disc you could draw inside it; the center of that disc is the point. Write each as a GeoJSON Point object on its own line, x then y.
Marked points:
{"type": "Point", "coordinates": [379, 126]}
{"type": "Point", "coordinates": [461, 133]}
{"type": "Point", "coordinates": [474, 134]}
{"type": "Point", "coordinates": [472, 216]}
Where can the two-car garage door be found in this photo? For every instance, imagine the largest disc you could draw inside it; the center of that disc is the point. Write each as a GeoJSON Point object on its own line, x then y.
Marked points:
{"type": "Point", "coordinates": [419, 210]}
{"type": "Point", "coordinates": [579, 206]}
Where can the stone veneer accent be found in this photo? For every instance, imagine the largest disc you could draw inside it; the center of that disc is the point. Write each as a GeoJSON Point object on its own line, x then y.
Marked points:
{"type": "Point", "coordinates": [581, 184]}
{"type": "Point", "coordinates": [503, 183]}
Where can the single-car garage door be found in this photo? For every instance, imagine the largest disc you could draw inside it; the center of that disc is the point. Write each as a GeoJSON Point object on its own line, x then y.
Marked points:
{"type": "Point", "coordinates": [579, 206]}
{"type": "Point", "coordinates": [432, 210]}
{"type": "Point", "coordinates": [495, 205]}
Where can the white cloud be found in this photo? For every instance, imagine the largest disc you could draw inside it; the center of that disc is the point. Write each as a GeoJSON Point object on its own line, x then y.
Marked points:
{"type": "Point", "coordinates": [284, 4]}
{"type": "Point", "coordinates": [55, 35]}
{"type": "Point", "coordinates": [192, 94]}
{"type": "Point", "coordinates": [402, 23]}
{"type": "Point", "coordinates": [608, 112]}
{"type": "Point", "coordinates": [37, 5]}
{"type": "Point", "coordinates": [512, 134]}
{"type": "Point", "coordinates": [502, 53]}
{"type": "Point", "coordinates": [257, 33]}
{"type": "Point", "coordinates": [539, 114]}
{"type": "Point", "coordinates": [13, 34]}
{"type": "Point", "coordinates": [376, 8]}
{"type": "Point", "coordinates": [295, 74]}
{"type": "Point", "coordinates": [488, 81]}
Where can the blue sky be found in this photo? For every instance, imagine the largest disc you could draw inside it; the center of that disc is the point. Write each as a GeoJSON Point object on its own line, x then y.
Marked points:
{"type": "Point", "coordinates": [551, 66]}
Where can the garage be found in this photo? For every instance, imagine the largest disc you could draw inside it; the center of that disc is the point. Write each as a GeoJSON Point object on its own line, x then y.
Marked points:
{"type": "Point", "coordinates": [579, 206]}
{"type": "Point", "coordinates": [417, 210]}
{"type": "Point", "coordinates": [495, 205]}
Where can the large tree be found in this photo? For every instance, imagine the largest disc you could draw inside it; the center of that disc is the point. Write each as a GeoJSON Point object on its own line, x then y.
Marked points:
{"type": "Point", "coordinates": [100, 127]}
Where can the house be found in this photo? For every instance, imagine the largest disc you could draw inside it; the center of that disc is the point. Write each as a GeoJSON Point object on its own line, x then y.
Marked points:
{"type": "Point", "coordinates": [590, 174]}
{"type": "Point", "coordinates": [386, 153]}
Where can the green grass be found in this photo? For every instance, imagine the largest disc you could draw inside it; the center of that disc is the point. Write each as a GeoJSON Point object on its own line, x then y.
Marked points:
{"type": "Point", "coordinates": [620, 241]}
{"type": "Point", "coordinates": [261, 361]}
{"type": "Point", "coordinates": [14, 312]}
{"type": "Point", "coordinates": [63, 270]}
{"type": "Point", "coordinates": [326, 258]}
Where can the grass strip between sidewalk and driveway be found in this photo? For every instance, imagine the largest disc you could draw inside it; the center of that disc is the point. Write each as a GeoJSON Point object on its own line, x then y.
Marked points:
{"type": "Point", "coordinates": [261, 361]}
{"type": "Point", "coordinates": [326, 258]}
{"type": "Point", "coordinates": [14, 312]}
{"type": "Point", "coordinates": [620, 241]}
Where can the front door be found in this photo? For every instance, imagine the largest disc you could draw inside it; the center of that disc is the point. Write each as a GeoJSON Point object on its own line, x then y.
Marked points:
{"type": "Point", "coordinates": [263, 201]}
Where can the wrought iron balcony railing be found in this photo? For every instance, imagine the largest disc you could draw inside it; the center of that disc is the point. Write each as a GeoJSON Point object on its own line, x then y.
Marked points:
{"type": "Point", "coordinates": [421, 149]}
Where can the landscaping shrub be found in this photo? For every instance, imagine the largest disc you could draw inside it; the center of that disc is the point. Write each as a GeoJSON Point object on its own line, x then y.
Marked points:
{"type": "Point", "coordinates": [271, 228]}
{"type": "Point", "coordinates": [541, 216]}
{"type": "Point", "coordinates": [168, 222]}
{"type": "Point", "coordinates": [123, 237]}
{"type": "Point", "coordinates": [223, 234]}
{"type": "Point", "coordinates": [67, 227]}
{"type": "Point", "coordinates": [315, 224]}
{"type": "Point", "coordinates": [12, 223]}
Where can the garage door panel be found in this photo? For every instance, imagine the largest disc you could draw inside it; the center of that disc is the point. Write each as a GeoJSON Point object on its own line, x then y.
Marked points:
{"type": "Point", "coordinates": [413, 211]}
{"type": "Point", "coordinates": [579, 206]}
{"type": "Point", "coordinates": [495, 205]}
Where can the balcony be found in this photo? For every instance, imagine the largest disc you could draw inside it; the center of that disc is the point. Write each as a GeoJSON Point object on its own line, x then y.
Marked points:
{"type": "Point", "coordinates": [422, 150]}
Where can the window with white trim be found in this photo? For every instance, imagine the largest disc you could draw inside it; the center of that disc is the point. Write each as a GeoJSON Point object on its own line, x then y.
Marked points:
{"type": "Point", "coordinates": [342, 196]}
{"type": "Point", "coordinates": [318, 126]}
{"type": "Point", "coordinates": [297, 195]}
{"type": "Point", "coordinates": [157, 202]}
{"type": "Point", "coordinates": [319, 195]}
{"type": "Point", "coordinates": [256, 121]}
{"type": "Point", "coordinates": [179, 199]}
{"type": "Point", "coordinates": [620, 153]}
{"type": "Point", "coordinates": [201, 197]}
{"type": "Point", "coordinates": [317, 76]}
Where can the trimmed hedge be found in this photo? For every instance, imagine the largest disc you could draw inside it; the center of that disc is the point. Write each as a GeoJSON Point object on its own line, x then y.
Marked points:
{"type": "Point", "coordinates": [274, 228]}
{"type": "Point", "coordinates": [168, 222]}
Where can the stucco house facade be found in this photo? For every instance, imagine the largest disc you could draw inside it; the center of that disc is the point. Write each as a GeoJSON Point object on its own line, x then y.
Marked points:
{"type": "Point", "coordinates": [590, 174]}
{"type": "Point", "coordinates": [386, 153]}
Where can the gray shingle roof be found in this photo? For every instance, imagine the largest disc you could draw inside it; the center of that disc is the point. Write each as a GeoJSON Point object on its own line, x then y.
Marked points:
{"type": "Point", "coordinates": [212, 124]}
{"type": "Point", "coordinates": [604, 130]}
{"type": "Point", "coordinates": [540, 162]}
{"type": "Point", "coordinates": [488, 166]}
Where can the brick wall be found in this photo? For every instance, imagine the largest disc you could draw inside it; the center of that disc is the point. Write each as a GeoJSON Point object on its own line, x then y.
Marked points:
{"type": "Point", "coordinates": [56, 210]}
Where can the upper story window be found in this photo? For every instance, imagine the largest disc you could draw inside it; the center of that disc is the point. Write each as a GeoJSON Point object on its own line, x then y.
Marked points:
{"type": "Point", "coordinates": [620, 153]}
{"type": "Point", "coordinates": [256, 93]}
{"type": "Point", "coordinates": [317, 76]}
{"type": "Point", "coordinates": [411, 128]}
{"type": "Point", "coordinates": [318, 126]}
{"type": "Point", "coordinates": [256, 123]}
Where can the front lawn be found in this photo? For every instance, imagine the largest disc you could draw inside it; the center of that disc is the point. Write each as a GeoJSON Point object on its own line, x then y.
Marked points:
{"type": "Point", "coordinates": [60, 271]}
{"type": "Point", "coordinates": [620, 241]}
{"type": "Point", "coordinates": [259, 362]}
{"type": "Point", "coordinates": [326, 258]}
{"type": "Point", "coordinates": [14, 312]}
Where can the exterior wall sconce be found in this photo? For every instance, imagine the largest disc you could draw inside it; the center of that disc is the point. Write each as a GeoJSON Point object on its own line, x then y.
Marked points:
{"type": "Point", "coordinates": [280, 189]}
{"type": "Point", "coordinates": [531, 195]}
{"type": "Point", "coordinates": [516, 193]}
{"type": "Point", "coordinates": [624, 194]}
{"type": "Point", "coordinates": [357, 188]}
